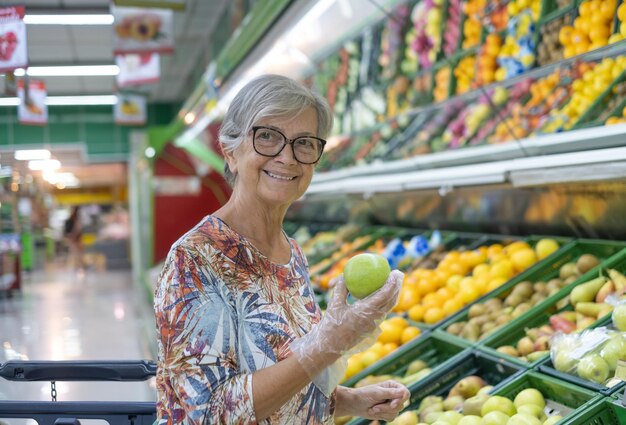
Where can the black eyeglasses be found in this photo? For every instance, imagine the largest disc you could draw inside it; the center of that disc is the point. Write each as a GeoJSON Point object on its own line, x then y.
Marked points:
{"type": "Point", "coordinates": [271, 142]}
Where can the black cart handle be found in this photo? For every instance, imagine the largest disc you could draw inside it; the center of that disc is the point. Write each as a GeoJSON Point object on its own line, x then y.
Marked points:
{"type": "Point", "coordinates": [79, 370]}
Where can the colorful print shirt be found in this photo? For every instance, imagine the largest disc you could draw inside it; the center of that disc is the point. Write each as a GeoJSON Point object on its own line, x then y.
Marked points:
{"type": "Point", "coordinates": [224, 310]}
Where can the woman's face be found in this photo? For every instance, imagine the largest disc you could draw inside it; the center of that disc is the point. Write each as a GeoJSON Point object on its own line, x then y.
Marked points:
{"type": "Point", "coordinates": [279, 180]}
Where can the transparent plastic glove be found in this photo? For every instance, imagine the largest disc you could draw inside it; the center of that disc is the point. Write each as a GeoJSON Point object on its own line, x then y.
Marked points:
{"type": "Point", "coordinates": [344, 329]}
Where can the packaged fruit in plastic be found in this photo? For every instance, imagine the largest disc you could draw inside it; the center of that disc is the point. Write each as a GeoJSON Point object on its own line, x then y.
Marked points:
{"type": "Point", "coordinates": [424, 38]}
{"type": "Point", "coordinates": [517, 55]}
{"type": "Point", "coordinates": [392, 42]}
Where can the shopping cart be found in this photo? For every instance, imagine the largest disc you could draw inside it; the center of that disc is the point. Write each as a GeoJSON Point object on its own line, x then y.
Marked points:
{"type": "Point", "coordinates": [71, 412]}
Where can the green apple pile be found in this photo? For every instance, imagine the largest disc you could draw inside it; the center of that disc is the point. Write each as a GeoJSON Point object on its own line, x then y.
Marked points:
{"type": "Point", "coordinates": [527, 408]}
{"type": "Point", "coordinates": [365, 274]}
{"type": "Point", "coordinates": [417, 370]}
{"type": "Point", "coordinates": [591, 355]}
{"type": "Point", "coordinates": [486, 317]}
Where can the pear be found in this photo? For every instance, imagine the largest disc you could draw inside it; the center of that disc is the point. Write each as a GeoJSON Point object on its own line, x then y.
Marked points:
{"type": "Point", "coordinates": [536, 355]}
{"type": "Point", "coordinates": [431, 400]}
{"type": "Point", "coordinates": [455, 328]}
{"type": "Point", "coordinates": [473, 405]}
{"type": "Point", "coordinates": [406, 418]}
{"type": "Point", "coordinates": [477, 310]}
{"type": "Point", "coordinates": [586, 262]}
{"type": "Point", "coordinates": [454, 402]}
{"type": "Point", "coordinates": [509, 350]}
{"type": "Point", "coordinates": [469, 386]}
{"type": "Point", "coordinates": [415, 366]}
{"type": "Point", "coordinates": [587, 291]}
{"type": "Point", "coordinates": [590, 308]}
{"type": "Point", "coordinates": [607, 289]}
{"type": "Point", "coordinates": [568, 270]}
{"type": "Point", "coordinates": [417, 376]}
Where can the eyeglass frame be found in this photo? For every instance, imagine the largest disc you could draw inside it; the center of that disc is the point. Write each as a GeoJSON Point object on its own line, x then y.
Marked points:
{"type": "Point", "coordinates": [286, 141]}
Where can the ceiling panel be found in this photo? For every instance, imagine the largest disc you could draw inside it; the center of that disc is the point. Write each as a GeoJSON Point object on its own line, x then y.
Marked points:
{"type": "Point", "coordinates": [95, 54]}
{"type": "Point", "coordinates": [49, 55]}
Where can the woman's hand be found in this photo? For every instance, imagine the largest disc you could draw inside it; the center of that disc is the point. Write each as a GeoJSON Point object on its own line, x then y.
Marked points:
{"type": "Point", "coordinates": [378, 401]}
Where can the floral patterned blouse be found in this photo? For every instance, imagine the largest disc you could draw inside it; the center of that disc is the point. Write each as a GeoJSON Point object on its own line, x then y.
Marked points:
{"type": "Point", "coordinates": [224, 310]}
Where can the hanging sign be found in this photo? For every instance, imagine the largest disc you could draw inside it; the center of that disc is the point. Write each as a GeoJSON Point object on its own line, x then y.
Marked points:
{"type": "Point", "coordinates": [32, 108]}
{"type": "Point", "coordinates": [130, 109]}
{"type": "Point", "coordinates": [138, 69]}
{"type": "Point", "coordinates": [13, 53]}
{"type": "Point", "coordinates": [142, 30]}
{"type": "Point", "coordinates": [165, 4]}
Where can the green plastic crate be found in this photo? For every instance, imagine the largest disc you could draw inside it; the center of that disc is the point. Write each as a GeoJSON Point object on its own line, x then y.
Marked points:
{"type": "Point", "coordinates": [494, 371]}
{"type": "Point", "coordinates": [436, 350]}
{"type": "Point", "coordinates": [562, 398]}
{"type": "Point", "coordinates": [606, 411]}
{"type": "Point", "coordinates": [544, 270]}
{"type": "Point", "coordinates": [539, 315]}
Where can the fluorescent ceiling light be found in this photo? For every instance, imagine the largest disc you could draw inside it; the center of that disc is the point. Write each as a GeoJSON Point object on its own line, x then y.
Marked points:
{"type": "Point", "coordinates": [104, 19]}
{"type": "Point", "coordinates": [67, 100]}
{"type": "Point", "coordinates": [44, 164]}
{"type": "Point", "coordinates": [32, 154]}
{"type": "Point", "coordinates": [69, 71]}
{"type": "Point", "coordinates": [81, 100]}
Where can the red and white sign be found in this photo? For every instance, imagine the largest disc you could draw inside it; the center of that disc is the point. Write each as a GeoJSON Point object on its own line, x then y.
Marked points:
{"type": "Point", "coordinates": [130, 109]}
{"type": "Point", "coordinates": [142, 30]}
{"type": "Point", "coordinates": [32, 108]}
{"type": "Point", "coordinates": [13, 53]}
{"type": "Point", "coordinates": [138, 69]}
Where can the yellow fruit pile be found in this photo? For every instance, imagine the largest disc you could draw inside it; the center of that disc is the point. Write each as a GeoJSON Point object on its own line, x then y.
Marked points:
{"type": "Point", "coordinates": [591, 29]}
{"type": "Point", "coordinates": [442, 84]}
{"type": "Point", "coordinates": [586, 89]}
{"type": "Point", "coordinates": [465, 73]}
{"type": "Point", "coordinates": [395, 332]}
{"type": "Point", "coordinates": [460, 278]}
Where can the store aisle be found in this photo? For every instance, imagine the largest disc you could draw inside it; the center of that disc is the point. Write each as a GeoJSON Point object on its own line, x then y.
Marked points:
{"type": "Point", "coordinates": [60, 315]}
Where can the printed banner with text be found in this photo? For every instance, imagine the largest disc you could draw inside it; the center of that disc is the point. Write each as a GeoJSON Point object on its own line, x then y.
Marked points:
{"type": "Point", "coordinates": [13, 52]}
{"type": "Point", "coordinates": [32, 108]}
{"type": "Point", "coordinates": [138, 69]}
{"type": "Point", "coordinates": [130, 109]}
{"type": "Point", "coordinates": [142, 30]}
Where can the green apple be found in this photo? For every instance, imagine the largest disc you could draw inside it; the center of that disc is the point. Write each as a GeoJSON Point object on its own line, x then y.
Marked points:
{"type": "Point", "coordinates": [495, 418]}
{"type": "Point", "coordinates": [470, 420]}
{"type": "Point", "coordinates": [552, 420]}
{"type": "Point", "coordinates": [366, 273]}
{"type": "Point", "coordinates": [529, 396]}
{"type": "Point", "coordinates": [499, 404]}
{"type": "Point", "coordinates": [563, 362]}
{"type": "Point", "coordinates": [619, 317]}
{"type": "Point", "coordinates": [450, 417]}
{"type": "Point", "coordinates": [533, 410]}
{"type": "Point", "coordinates": [594, 368]}
{"type": "Point", "coordinates": [614, 350]}
{"type": "Point", "coordinates": [523, 419]}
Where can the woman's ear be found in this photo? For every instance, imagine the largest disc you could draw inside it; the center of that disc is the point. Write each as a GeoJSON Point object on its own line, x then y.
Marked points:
{"type": "Point", "coordinates": [229, 157]}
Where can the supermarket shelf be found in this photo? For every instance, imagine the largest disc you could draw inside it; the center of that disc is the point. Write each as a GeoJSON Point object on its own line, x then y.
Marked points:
{"type": "Point", "coordinates": [475, 170]}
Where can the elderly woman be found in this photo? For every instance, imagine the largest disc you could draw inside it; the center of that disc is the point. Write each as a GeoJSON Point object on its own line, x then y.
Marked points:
{"type": "Point", "coordinates": [241, 339]}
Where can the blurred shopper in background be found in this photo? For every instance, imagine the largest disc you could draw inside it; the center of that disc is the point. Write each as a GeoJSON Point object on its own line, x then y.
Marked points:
{"type": "Point", "coordinates": [73, 231]}
{"type": "Point", "coordinates": [241, 338]}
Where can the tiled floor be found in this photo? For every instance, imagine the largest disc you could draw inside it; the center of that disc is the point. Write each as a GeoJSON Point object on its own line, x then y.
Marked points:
{"type": "Point", "coordinates": [60, 315]}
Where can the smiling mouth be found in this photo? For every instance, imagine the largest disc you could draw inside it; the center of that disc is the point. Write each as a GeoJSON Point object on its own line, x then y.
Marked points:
{"type": "Point", "coordinates": [275, 176]}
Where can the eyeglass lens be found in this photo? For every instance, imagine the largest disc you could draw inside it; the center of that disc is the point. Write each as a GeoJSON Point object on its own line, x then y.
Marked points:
{"type": "Point", "coordinates": [270, 142]}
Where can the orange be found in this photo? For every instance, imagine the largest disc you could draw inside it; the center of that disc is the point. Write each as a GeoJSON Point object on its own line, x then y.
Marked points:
{"type": "Point", "coordinates": [370, 357]}
{"type": "Point", "coordinates": [409, 333]}
{"type": "Point", "coordinates": [516, 246]}
{"type": "Point", "coordinates": [390, 333]}
{"type": "Point", "coordinates": [452, 306]}
{"type": "Point", "coordinates": [523, 259]}
{"type": "Point", "coordinates": [469, 293]}
{"type": "Point", "coordinates": [446, 293]}
{"type": "Point", "coordinates": [409, 296]}
{"type": "Point", "coordinates": [426, 286]}
{"type": "Point", "coordinates": [458, 268]}
{"type": "Point", "coordinates": [621, 12]}
{"type": "Point", "coordinates": [354, 367]}
{"type": "Point", "coordinates": [433, 315]}
{"type": "Point", "coordinates": [607, 9]}
{"type": "Point", "coordinates": [480, 270]}
{"type": "Point", "coordinates": [454, 280]}
{"type": "Point", "coordinates": [416, 313]}
{"type": "Point", "coordinates": [565, 35]}
{"type": "Point", "coordinates": [493, 249]}
{"type": "Point", "coordinates": [503, 269]}
{"type": "Point", "coordinates": [496, 282]}
{"type": "Point", "coordinates": [585, 8]}
{"type": "Point", "coordinates": [599, 33]}
{"type": "Point", "coordinates": [433, 300]}
{"type": "Point", "coordinates": [398, 321]}
{"type": "Point", "coordinates": [389, 348]}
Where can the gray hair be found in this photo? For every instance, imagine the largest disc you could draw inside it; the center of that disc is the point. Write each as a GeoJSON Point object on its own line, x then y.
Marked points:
{"type": "Point", "coordinates": [264, 97]}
